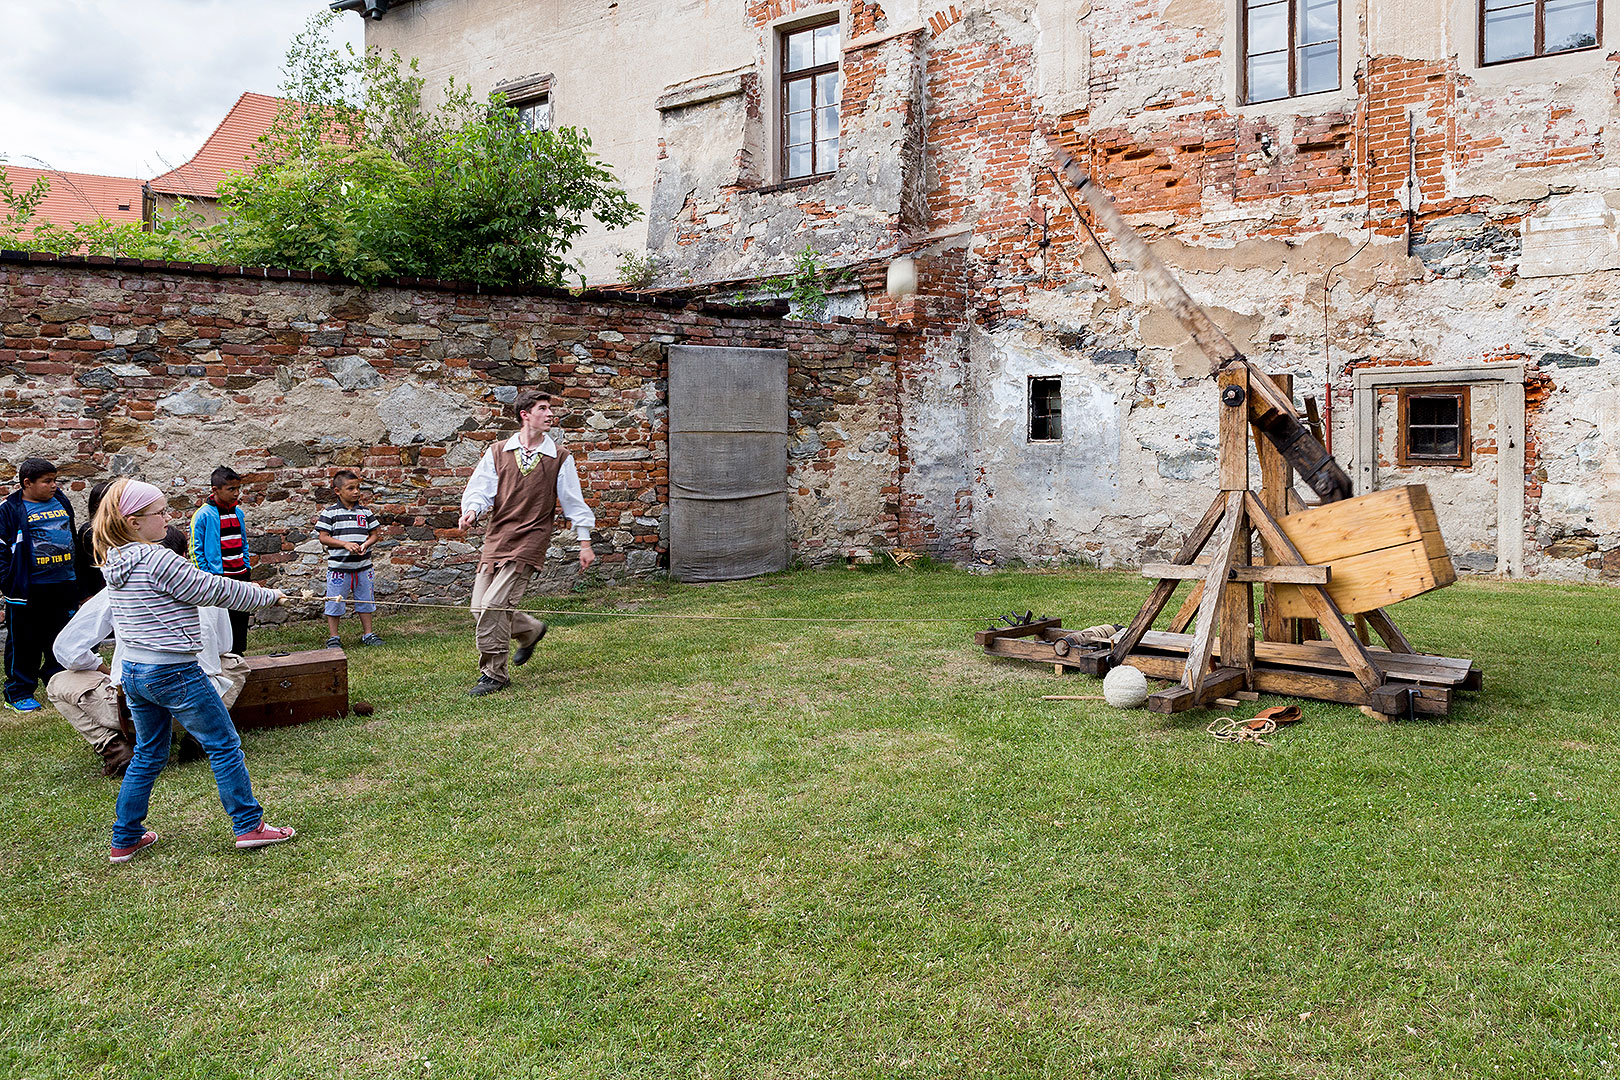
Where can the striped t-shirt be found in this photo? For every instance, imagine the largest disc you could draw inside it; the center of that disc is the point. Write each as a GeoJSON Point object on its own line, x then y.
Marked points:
{"type": "Point", "coordinates": [232, 542]}
{"type": "Point", "coordinates": [341, 522]}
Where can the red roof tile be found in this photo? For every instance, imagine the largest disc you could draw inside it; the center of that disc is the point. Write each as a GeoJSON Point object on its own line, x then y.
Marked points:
{"type": "Point", "coordinates": [229, 149]}
{"type": "Point", "coordinates": [76, 197]}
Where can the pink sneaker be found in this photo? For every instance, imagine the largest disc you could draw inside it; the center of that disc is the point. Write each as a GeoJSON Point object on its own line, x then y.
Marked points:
{"type": "Point", "coordinates": [124, 854]}
{"type": "Point", "coordinates": [264, 835]}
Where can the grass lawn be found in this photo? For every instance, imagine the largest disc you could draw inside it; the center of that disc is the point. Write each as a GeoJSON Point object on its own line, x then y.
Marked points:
{"type": "Point", "coordinates": [776, 849]}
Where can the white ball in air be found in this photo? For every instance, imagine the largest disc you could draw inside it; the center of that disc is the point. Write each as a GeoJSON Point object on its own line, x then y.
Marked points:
{"type": "Point", "coordinates": [1125, 688]}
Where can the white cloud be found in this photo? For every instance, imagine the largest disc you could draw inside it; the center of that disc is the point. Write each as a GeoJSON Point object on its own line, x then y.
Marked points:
{"type": "Point", "coordinates": [130, 88]}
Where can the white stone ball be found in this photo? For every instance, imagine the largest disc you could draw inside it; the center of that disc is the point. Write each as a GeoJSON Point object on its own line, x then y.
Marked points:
{"type": "Point", "coordinates": [1125, 688]}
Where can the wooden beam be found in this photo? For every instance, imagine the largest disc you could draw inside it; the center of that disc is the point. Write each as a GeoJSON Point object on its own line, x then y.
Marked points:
{"type": "Point", "coordinates": [1233, 532]}
{"type": "Point", "coordinates": [1189, 608]}
{"type": "Point", "coordinates": [1234, 427]}
{"type": "Point", "coordinates": [1217, 684]}
{"type": "Point", "coordinates": [1290, 575]}
{"type": "Point", "coordinates": [1161, 592]}
{"type": "Point", "coordinates": [1030, 629]}
{"type": "Point", "coordinates": [1276, 483]}
{"type": "Point", "coordinates": [1386, 629]}
{"type": "Point", "coordinates": [1322, 605]}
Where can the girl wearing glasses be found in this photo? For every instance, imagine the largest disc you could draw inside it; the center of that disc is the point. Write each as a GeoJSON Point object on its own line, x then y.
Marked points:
{"type": "Point", "coordinates": [154, 595]}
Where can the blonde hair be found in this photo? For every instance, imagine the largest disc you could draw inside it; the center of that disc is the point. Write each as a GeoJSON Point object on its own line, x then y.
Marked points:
{"type": "Point", "coordinates": [110, 527]}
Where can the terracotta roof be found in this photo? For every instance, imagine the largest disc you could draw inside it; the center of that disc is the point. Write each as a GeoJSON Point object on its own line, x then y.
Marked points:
{"type": "Point", "coordinates": [80, 196]}
{"type": "Point", "coordinates": [229, 149]}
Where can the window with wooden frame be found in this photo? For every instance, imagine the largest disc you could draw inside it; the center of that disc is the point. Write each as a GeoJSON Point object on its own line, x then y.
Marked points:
{"type": "Point", "coordinates": [1433, 426]}
{"type": "Point", "coordinates": [1290, 48]}
{"type": "Point", "coordinates": [1525, 29]}
{"type": "Point", "coordinates": [809, 98]}
{"type": "Point", "coordinates": [530, 97]}
{"type": "Point", "coordinates": [1045, 409]}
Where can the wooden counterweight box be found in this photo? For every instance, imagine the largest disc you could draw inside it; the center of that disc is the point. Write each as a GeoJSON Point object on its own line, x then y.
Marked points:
{"type": "Point", "coordinates": [293, 689]}
{"type": "Point", "coordinates": [1384, 547]}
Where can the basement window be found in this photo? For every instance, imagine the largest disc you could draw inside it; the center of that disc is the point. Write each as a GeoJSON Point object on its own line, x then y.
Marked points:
{"type": "Point", "coordinates": [1434, 426]}
{"type": "Point", "coordinates": [1045, 409]}
{"type": "Point", "coordinates": [809, 99]}
{"type": "Point", "coordinates": [1523, 29]}
{"type": "Point", "coordinates": [1290, 48]}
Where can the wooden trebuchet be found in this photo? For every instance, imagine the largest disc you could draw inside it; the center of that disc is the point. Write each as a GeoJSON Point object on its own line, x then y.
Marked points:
{"type": "Point", "coordinates": [1273, 412]}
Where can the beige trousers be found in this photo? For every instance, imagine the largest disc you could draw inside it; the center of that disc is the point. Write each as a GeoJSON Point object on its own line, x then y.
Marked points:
{"type": "Point", "coordinates": [90, 703]}
{"type": "Point", "coordinates": [501, 587]}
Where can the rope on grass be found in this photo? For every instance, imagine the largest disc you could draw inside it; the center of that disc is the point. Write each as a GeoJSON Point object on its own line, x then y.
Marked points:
{"type": "Point", "coordinates": [1241, 731]}
{"type": "Point", "coordinates": [311, 597]}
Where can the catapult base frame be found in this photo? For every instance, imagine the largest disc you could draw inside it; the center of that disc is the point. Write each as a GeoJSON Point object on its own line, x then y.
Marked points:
{"type": "Point", "coordinates": [1322, 657]}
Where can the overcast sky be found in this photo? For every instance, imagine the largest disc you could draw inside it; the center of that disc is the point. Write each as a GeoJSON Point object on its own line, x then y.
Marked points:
{"type": "Point", "coordinates": [133, 87]}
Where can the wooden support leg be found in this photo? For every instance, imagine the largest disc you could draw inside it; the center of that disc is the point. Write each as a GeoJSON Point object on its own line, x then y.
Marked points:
{"type": "Point", "coordinates": [1189, 608]}
{"type": "Point", "coordinates": [1326, 611]}
{"type": "Point", "coordinates": [1386, 629]}
{"type": "Point", "coordinates": [1276, 484]}
{"type": "Point", "coordinates": [1233, 532]}
{"type": "Point", "coordinates": [1161, 592]}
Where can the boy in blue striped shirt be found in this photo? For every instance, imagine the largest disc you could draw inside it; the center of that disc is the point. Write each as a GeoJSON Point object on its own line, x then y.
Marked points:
{"type": "Point", "coordinates": [348, 531]}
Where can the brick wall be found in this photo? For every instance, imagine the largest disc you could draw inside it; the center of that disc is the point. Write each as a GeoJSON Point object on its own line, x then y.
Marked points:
{"type": "Point", "coordinates": [165, 371]}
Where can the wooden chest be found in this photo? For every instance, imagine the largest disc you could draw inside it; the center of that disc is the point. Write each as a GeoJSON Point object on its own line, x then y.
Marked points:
{"type": "Point", "coordinates": [293, 689]}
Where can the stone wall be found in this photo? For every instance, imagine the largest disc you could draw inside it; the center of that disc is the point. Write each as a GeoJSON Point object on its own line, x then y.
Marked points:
{"type": "Point", "coordinates": [165, 371]}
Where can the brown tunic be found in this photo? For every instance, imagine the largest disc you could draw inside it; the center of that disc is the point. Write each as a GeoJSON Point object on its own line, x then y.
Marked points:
{"type": "Point", "coordinates": [524, 510]}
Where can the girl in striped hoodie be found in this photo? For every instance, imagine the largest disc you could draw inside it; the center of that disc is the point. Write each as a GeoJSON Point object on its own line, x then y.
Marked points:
{"type": "Point", "coordinates": [154, 595]}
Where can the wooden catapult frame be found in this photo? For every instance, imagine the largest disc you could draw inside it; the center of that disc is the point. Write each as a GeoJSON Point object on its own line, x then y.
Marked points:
{"type": "Point", "coordinates": [1309, 649]}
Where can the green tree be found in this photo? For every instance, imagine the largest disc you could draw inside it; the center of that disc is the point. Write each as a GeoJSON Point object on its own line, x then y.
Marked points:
{"type": "Point", "coordinates": [177, 236]}
{"type": "Point", "coordinates": [359, 178]}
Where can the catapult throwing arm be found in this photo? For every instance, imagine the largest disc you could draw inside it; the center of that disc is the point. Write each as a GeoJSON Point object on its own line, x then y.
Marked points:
{"type": "Point", "coordinates": [1271, 410]}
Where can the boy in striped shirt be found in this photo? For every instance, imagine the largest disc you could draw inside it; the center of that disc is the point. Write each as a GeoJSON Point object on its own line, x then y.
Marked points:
{"type": "Point", "coordinates": [348, 530]}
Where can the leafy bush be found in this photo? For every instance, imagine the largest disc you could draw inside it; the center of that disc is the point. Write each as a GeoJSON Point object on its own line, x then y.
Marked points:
{"type": "Point", "coordinates": [359, 179]}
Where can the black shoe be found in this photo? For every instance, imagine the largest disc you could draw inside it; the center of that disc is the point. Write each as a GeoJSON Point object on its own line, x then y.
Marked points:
{"type": "Point", "coordinates": [189, 749]}
{"type": "Point", "coordinates": [486, 685]}
{"type": "Point", "coordinates": [521, 654]}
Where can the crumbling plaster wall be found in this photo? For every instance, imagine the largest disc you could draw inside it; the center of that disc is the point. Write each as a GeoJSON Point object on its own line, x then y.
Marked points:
{"type": "Point", "coordinates": [167, 371]}
{"type": "Point", "coordinates": [1426, 212]}
{"type": "Point", "coordinates": [1258, 209]}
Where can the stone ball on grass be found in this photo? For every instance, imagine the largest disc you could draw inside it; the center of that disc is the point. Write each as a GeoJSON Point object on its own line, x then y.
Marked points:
{"type": "Point", "coordinates": [1125, 688]}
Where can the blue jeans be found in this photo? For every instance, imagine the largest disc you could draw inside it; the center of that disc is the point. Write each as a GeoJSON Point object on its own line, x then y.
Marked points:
{"type": "Point", "coordinates": [155, 692]}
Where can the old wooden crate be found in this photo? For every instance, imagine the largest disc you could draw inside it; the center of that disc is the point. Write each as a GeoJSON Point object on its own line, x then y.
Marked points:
{"type": "Point", "coordinates": [1383, 547]}
{"type": "Point", "coordinates": [293, 689]}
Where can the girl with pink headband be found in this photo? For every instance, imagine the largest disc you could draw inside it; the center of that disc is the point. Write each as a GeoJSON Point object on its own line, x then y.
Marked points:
{"type": "Point", "coordinates": [154, 595]}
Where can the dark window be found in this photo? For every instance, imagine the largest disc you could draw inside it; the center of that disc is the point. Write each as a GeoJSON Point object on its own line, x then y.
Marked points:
{"type": "Point", "coordinates": [809, 102]}
{"type": "Point", "coordinates": [1045, 409]}
{"type": "Point", "coordinates": [1520, 29]}
{"type": "Point", "coordinates": [1434, 426]}
{"type": "Point", "coordinates": [1290, 48]}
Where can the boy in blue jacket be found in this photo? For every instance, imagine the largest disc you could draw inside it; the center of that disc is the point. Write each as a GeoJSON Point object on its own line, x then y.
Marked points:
{"type": "Point", "coordinates": [36, 579]}
{"type": "Point", "coordinates": [219, 541]}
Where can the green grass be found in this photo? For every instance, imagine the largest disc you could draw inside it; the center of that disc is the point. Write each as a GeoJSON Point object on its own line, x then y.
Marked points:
{"type": "Point", "coordinates": [775, 849]}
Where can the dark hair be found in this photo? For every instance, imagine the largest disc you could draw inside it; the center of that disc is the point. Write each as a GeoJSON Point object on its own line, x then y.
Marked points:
{"type": "Point", "coordinates": [33, 468]}
{"type": "Point", "coordinates": [177, 540]}
{"type": "Point", "coordinates": [97, 493]}
{"type": "Point", "coordinates": [344, 474]}
{"type": "Point", "coordinates": [526, 400]}
{"type": "Point", "coordinates": [224, 475]}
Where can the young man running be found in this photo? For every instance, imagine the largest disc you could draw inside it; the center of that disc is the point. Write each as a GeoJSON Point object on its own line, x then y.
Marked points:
{"type": "Point", "coordinates": [521, 483]}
